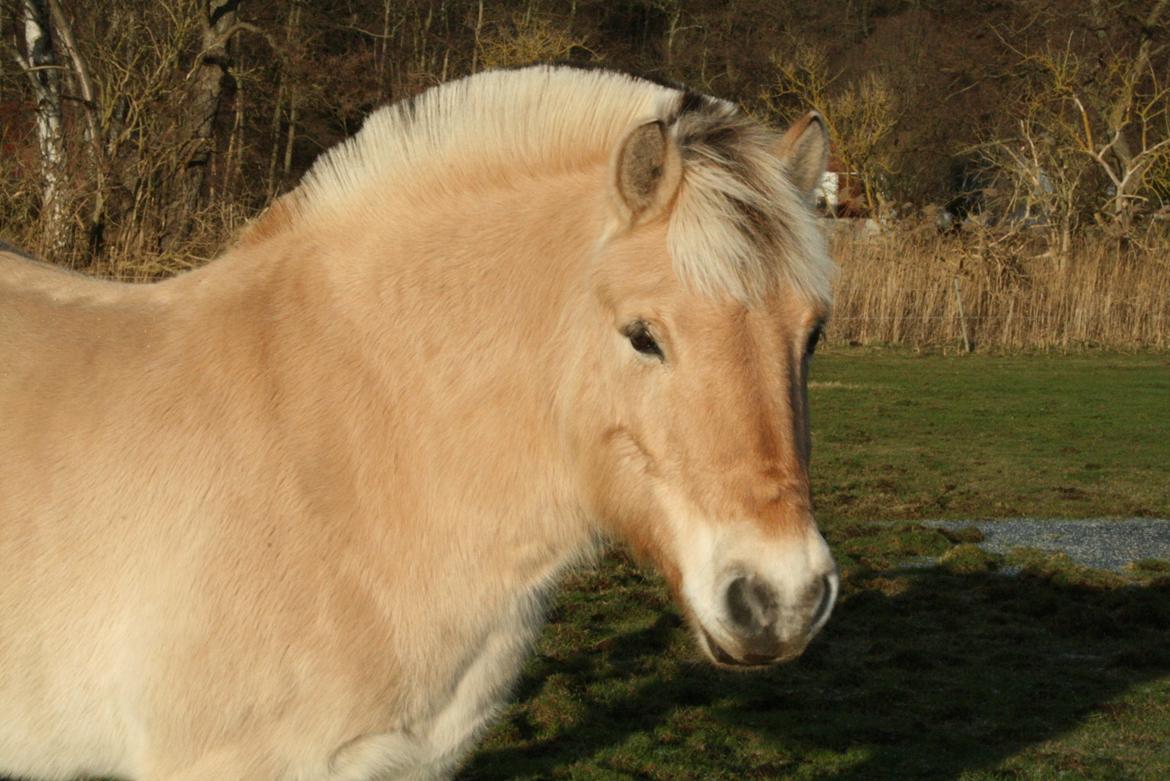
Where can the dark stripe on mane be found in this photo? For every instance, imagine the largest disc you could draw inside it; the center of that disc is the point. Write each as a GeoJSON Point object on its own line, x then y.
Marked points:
{"type": "Point", "coordinates": [692, 102]}
{"type": "Point", "coordinates": [709, 130]}
{"type": "Point", "coordinates": [407, 109]}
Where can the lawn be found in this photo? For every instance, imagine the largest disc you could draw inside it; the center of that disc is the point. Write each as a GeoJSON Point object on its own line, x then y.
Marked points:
{"type": "Point", "coordinates": [954, 671]}
{"type": "Point", "coordinates": [901, 436]}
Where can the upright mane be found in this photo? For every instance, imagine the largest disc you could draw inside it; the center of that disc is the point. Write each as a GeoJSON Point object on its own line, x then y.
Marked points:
{"type": "Point", "coordinates": [737, 227]}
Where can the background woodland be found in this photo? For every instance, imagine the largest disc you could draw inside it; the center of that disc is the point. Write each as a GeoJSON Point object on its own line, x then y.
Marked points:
{"type": "Point", "coordinates": [1009, 160]}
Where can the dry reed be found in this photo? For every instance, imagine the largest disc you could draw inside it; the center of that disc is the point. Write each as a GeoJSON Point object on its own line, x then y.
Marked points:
{"type": "Point", "coordinates": [900, 288]}
{"type": "Point", "coordinates": [896, 288]}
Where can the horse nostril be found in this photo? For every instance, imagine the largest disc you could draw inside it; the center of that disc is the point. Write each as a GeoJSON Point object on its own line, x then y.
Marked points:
{"type": "Point", "coordinates": [752, 605]}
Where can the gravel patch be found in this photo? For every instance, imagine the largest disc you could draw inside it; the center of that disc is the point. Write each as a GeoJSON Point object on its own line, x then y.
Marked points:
{"type": "Point", "coordinates": [1094, 542]}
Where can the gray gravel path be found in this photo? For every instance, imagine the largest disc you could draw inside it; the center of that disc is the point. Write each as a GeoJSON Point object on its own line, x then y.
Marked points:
{"type": "Point", "coordinates": [1094, 542]}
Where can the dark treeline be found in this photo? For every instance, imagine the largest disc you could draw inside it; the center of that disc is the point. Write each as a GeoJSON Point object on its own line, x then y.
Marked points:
{"type": "Point", "coordinates": [141, 130]}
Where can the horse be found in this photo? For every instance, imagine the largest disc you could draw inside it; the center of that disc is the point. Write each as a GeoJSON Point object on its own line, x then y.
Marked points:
{"type": "Point", "coordinates": [296, 514]}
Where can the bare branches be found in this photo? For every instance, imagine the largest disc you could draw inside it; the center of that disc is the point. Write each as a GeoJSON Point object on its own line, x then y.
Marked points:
{"type": "Point", "coordinates": [524, 39]}
{"type": "Point", "coordinates": [861, 115]}
{"type": "Point", "coordinates": [1092, 131]}
{"type": "Point", "coordinates": [159, 119]}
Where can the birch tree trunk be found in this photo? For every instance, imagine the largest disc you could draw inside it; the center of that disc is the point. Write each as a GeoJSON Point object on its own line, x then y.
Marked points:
{"type": "Point", "coordinates": [43, 70]}
{"type": "Point", "coordinates": [63, 36]}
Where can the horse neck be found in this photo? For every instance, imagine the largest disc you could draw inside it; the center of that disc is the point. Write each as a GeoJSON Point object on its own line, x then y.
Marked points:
{"type": "Point", "coordinates": [439, 322]}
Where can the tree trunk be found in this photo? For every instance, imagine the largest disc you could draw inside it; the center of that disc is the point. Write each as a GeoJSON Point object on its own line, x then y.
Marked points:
{"type": "Point", "coordinates": [291, 31]}
{"type": "Point", "coordinates": [213, 69]}
{"type": "Point", "coordinates": [43, 71]}
{"type": "Point", "coordinates": [63, 33]}
{"type": "Point", "coordinates": [383, 56]}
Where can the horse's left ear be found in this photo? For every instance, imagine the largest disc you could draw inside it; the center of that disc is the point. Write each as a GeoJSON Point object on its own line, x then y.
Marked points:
{"type": "Point", "coordinates": [804, 148]}
{"type": "Point", "coordinates": [645, 173]}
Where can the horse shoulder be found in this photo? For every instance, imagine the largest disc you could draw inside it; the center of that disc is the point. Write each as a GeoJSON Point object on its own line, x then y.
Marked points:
{"type": "Point", "coordinates": [434, 746]}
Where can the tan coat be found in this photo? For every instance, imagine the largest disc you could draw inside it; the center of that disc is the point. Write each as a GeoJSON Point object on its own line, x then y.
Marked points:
{"type": "Point", "coordinates": [293, 515]}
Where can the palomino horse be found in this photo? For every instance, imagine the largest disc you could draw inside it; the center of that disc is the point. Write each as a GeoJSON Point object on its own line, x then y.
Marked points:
{"type": "Point", "coordinates": [294, 515]}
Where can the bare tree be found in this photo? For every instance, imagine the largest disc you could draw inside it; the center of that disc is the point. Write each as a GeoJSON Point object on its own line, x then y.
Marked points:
{"type": "Point", "coordinates": [523, 39]}
{"type": "Point", "coordinates": [213, 68]}
{"type": "Point", "coordinates": [83, 92]}
{"type": "Point", "coordinates": [1112, 110]}
{"type": "Point", "coordinates": [861, 115]}
{"type": "Point", "coordinates": [1036, 182]}
{"type": "Point", "coordinates": [40, 63]}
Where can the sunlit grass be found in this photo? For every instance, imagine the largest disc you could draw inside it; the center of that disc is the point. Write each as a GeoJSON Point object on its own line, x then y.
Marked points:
{"type": "Point", "coordinates": [898, 435]}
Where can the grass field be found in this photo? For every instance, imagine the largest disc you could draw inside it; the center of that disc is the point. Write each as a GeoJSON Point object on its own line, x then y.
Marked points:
{"type": "Point", "coordinates": [905, 436]}
{"type": "Point", "coordinates": [956, 671]}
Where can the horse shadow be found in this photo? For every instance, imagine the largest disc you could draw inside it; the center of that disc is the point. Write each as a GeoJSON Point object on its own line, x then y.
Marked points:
{"type": "Point", "coordinates": [921, 673]}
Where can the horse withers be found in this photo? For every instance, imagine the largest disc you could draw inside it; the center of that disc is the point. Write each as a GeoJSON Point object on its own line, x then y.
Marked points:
{"type": "Point", "coordinates": [294, 515]}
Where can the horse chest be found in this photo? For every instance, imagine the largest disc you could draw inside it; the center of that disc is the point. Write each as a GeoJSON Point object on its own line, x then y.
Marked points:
{"type": "Point", "coordinates": [432, 746]}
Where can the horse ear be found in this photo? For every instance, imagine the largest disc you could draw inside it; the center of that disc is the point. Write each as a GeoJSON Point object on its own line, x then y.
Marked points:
{"type": "Point", "coordinates": [804, 148]}
{"type": "Point", "coordinates": [646, 173]}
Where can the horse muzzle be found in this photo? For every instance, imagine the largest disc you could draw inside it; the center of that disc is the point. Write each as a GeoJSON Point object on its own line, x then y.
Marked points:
{"type": "Point", "coordinates": [759, 627]}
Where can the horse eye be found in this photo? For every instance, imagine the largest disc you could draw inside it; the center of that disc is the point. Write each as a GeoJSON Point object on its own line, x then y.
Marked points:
{"type": "Point", "coordinates": [642, 341]}
{"type": "Point", "coordinates": [813, 338]}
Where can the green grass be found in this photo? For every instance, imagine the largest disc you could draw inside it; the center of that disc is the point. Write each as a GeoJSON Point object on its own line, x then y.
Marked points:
{"type": "Point", "coordinates": [956, 671]}
{"type": "Point", "coordinates": [897, 435]}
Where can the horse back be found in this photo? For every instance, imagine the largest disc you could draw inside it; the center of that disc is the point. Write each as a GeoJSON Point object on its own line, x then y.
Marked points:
{"type": "Point", "coordinates": [52, 548]}
{"type": "Point", "coordinates": [107, 426]}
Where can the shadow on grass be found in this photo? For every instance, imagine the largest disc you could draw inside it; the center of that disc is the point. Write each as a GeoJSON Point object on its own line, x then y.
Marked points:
{"type": "Point", "coordinates": [920, 674]}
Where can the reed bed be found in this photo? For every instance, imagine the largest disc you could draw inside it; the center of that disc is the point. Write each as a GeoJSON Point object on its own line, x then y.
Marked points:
{"type": "Point", "coordinates": [998, 293]}
{"type": "Point", "coordinates": [900, 287]}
